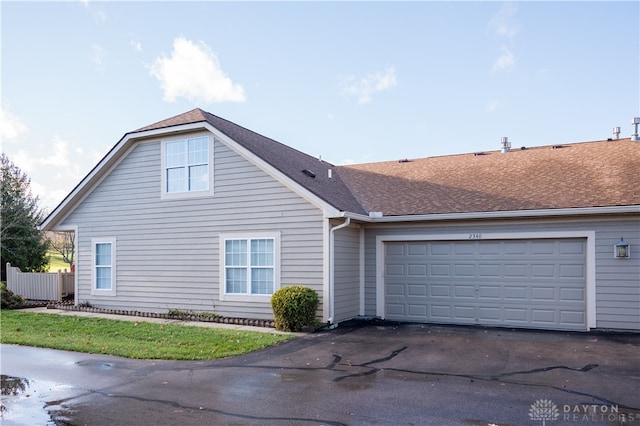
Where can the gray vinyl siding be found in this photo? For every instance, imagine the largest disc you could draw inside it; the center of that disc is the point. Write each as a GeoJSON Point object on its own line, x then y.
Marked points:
{"type": "Point", "coordinates": [347, 273]}
{"type": "Point", "coordinates": [617, 281]}
{"type": "Point", "coordinates": [167, 251]}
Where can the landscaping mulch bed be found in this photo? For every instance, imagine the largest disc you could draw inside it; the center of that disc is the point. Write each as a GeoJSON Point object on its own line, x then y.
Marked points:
{"type": "Point", "coordinates": [186, 316]}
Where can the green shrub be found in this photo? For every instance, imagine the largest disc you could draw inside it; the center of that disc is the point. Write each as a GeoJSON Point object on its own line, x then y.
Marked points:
{"type": "Point", "coordinates": [294, 308]}
{"type": "Point", "coordinates": [10, 300]}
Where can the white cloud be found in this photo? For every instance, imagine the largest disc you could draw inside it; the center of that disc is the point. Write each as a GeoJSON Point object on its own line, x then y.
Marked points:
{"type": "Point", "coordinates": [98, 55]}
{"type": "Point", "coordinates": [54, 169]}
{"type": "Point", "coordinates": [503, 23]}
{"type": "Point", "coordinates": [137, 46]}
{"type": "Point", "coordinates": [365, 87]}
{"type": "Point", "coordinates": [193, 72]}
{"type": "Point", "coordinates": [11, 126]}
{"type": "Point", "coordinates": [506, 61]}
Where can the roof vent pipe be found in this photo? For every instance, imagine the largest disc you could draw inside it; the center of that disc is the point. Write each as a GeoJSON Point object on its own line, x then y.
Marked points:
{"type": "Point", "coordinates": [616, 132]}
{"type": "Point", "coordinates": [329, 173]}
{"type": "Point", "coordinates": [506, 145]}
{"type": "Point", "coordinates": [635, 122]}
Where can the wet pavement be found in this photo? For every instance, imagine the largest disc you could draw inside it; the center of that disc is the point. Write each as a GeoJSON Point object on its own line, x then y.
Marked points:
{"type": "Point", "coordinates": [364, 373]}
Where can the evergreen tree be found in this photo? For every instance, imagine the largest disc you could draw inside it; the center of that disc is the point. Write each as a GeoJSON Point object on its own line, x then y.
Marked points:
{"type": "Point", "coordinates": [21, 242]}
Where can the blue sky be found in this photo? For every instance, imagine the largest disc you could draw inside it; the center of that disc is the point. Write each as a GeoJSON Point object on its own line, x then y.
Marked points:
{"type": "Point", "coordinates": [351, 81]}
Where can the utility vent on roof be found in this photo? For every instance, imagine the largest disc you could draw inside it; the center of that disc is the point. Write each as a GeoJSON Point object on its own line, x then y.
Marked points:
{"type": "Point", "coordinates": [616, 132]}
{"type": "Point", "coordinates": [404, 160]}
{"type": "Point", "coordinates": [505, 144]}
{"type": "Point", "coordinates": [557, 146]}
{"type": "Point", "coordinates": [309, 173]}
{"type": "Point", "coordinates": [475, 154]}
{"type": "Point", "coordinates": [635, 122]}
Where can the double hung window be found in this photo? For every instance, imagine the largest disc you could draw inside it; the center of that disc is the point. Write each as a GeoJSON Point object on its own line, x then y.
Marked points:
{"type": "Point", "coordinates": [250, 266]}
{"type": "Point", "coordinates": [103, 256]}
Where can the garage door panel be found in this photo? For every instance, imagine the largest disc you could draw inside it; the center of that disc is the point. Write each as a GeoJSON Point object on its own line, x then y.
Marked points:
{"type": "Point", "coordinates": [416, 290]}
{"type": "Point", "coordinates": [572, 317]}
{"type": "Point", "coordinates": [571, 247]}
{"type": "Point", "coordinates": [515, 271]}
{"type": "Point", "coordinates": [532, 283]}
{"type": "Point", "coordinates": [440, 290]}
{"type": "Point", "coordinates": [543, 316]}
{"type": "Point", "coordinates": [543, 271]}
{"type": "Point", "coordinates": [489, 270]}
{"type": "Point", "coordinates": [464, 291]}
{"type": "Point", "coordinates": [417, 311]}
{"type": "Point", "coordinates": [396, 290]}
{"type": "Point", "coordinates": [395, 270]}
{"type": "Point", "coordinates": [486, 313]}
{"type": "Point", "coordinates": [491, 292]}
{"type": "Point", "coordinates": [514, 248]}
{"type": "Point", "coordinates": [465, 313]}
{"type": "Point", "coordinates": [396, 309]}
{"type": "Point", "coordinates": [516, 293]}
{"type": "Point", "coordinates": [464, 270]}
{"type": "Point", "coordinates": [572, 295]}
{"type": "Point", "coordinates": [439, 270]}
{"type": "Point", "coordinates": [440, 312]}
{"type": "Point", "coordinates": [516, 315]}
{"type": "Point", "coordinates": [543, 247]}
{"type": "Point", "coordinates": [543, 294]}
{"type": "Point", "coordinates": [417, 249]}
{"type": "Point", "coordinates": [417, 270]}
{"type": "Point", "coordinates": [571, 271]}
{"type": "Point", "coordinates": [439, 249]}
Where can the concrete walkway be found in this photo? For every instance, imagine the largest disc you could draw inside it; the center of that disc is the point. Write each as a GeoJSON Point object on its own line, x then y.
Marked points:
{"type": "Point", "coordinates": [157, 320]}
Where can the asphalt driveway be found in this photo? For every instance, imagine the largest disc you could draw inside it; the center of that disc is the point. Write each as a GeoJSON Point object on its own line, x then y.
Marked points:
{"type": "Point", "coordinates": [366, 373]}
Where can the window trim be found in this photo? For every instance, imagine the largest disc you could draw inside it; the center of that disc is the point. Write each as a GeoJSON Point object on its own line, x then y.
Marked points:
{"type": "Point", "coordinates": [164, 195]}
{"type": "Point", "coordinates": [223, 238]}
{"type": "Point", "coordinates": [99, 291]}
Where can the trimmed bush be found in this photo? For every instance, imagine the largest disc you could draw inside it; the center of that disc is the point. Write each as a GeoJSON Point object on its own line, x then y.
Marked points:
{"type": "Point", "coordinates": [294, 308]}
{"type": "Point", "coordinates": [10, 300]}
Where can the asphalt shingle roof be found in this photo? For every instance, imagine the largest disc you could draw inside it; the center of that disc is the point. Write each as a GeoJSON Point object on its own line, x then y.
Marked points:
{"type": "Point", "coordinates": [588, 174]}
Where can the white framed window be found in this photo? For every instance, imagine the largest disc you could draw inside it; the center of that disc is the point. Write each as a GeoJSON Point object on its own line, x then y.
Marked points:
{"type": "Point", "coordinates": [103, 252]}
{"type": "Point", "coordinates": [249, 265]}
{"type": "Point", "coordinates": [187, 167]}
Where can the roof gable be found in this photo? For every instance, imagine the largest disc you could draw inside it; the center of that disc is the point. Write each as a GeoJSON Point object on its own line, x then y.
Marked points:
{"type": "Point", "coordinates": [307, 171]}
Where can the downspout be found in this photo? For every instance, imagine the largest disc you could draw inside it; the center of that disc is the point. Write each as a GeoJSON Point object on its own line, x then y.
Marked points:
{"type": "Point", "coordinates": [331, 267]}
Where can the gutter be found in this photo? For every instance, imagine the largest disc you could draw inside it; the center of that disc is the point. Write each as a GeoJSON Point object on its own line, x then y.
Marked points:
{"type": "Point", "coordinates": [635, 209]}
{"type": "Point", "coordinates": [330, 296]}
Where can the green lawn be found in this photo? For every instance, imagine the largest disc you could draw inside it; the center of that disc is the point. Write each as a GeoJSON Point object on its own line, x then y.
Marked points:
{"type": "Point", "coordinates": [142, 340]}
{"type": "Point", "coordinates": [56, 263]}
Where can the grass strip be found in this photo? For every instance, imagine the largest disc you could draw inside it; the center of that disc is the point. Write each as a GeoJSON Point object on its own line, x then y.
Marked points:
{"type": "Point", "coordinates": [141, 340]}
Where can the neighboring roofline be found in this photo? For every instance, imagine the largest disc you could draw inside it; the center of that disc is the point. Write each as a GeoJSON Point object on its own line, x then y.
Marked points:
{"type": "Point", "coordinates": [116, 154]}
{"type": "Point", "coordinates": [576, 211]}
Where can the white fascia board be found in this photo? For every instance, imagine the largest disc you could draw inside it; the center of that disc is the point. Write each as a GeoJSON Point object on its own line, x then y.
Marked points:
{"type": "Point", "coordinates": [327, 209]}
{"type": "Point", "coordinates": [498, 214]}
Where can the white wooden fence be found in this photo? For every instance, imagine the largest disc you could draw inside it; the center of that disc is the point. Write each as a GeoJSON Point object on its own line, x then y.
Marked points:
{"type": "Point", "coordinates": [40, 285]}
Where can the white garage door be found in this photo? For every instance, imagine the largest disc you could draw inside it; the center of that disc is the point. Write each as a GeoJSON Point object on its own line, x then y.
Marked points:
{"type": "Point", "coordinates": [514, 283]}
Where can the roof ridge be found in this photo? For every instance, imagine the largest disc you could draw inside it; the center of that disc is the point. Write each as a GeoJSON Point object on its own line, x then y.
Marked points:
{"type": "Point", "coordinates": [179, 119]}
